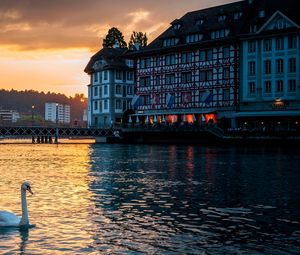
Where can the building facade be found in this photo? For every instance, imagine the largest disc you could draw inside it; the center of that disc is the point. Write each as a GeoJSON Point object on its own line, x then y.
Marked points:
{"type": "Point", "coordinates": [9, 116]}
{"type": "Point", "coordinates": [191, 73]}
{"type": "Point", "coordinates": [111, 89]}
{"type": "Point", "coordinates": [225, 64]}
{"type": "Point", "coordinates": [57, 113]}
{"type": "Point", "coordinates": [270, 66]}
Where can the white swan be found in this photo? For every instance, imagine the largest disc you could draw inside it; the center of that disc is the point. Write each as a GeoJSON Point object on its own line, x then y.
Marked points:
{"type": "Point", "coordinates": [8, 219]}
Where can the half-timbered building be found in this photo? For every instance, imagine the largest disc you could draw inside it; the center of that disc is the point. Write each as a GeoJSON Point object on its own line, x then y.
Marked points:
{"type": "Point", "coordinates": [190, 73]}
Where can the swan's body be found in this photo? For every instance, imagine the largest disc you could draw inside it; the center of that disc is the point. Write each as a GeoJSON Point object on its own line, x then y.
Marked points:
{"type": "Point", "coordinates": [8, 219]}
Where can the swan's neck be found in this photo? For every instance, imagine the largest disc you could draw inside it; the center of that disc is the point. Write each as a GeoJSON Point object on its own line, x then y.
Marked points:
{"type": "Point", "coordinates": [24, 219]}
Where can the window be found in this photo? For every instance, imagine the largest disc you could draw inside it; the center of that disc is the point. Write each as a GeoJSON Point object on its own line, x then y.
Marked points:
{"type": "Point", "coordinates": [279, 43]}
{"type": "Point", "coordinates": [194, 38]}
{"type": "Point", "coordinates": [145, 81]}
{"type": "Point", "coordinates": [209, 55]}
{"type": "Point", "coordinates": [96, 105]}
{"type": "Point", "coordinates": [251, 47]}
{"type": "Point", "coordinates": [226, 52]}
{"type": "Point", "coordinates": [105, 90]}
{"type": "Point", "coordinates": [118, 104]}
{"type": "Point", "coordinates": [221, 18]}
{"type": "Point", "coordinates": [176, 26]}
{"type": "Point", "coordinates": [170, 78]}
{"type": "Point", "coordinates": [129, 76]}
{"type": "Point", "coordinates": [95, 77]}
{"type": "Point", "coordinates": [105, 75]}
{"type": "Point", "coordinates": [186, 57]}
{"type": "Point", "coordinates": [186, 77]}
{"type": "Point", "coordinates": [157, 80]}
{"type": "Point", "coordinates": [252, 88]}
{"type": "Point", "coordinates": [292, 85]}
{"type": "Point", "coordinates": [105, 105]}
{"type": "Point", "coordinates": [219, 33]}
{"type": "Point", "coordinates": [119, 89]}
{"type": "Point", "coordinates": [226, 94]}
{"type": "Point", "coordinates": [157, 61]}
{"type": "Point", "coordinates": [129, 90]}
{"type": "Point", "coordinates": [268, 67]}
{"type": "Point", "coordinates": [292, 42]}
{"type": "Point", "coordinates": [206, 75]}
{"type": "Point", "coordinates": [170, 42]}
{"type": "Point", "coordinates": [119, 75]}
{"type": "Point", "coordinates": [268, 87]}
{"type": "Point", "coordinates": [95, 91]}
{"type": "Point", "coordinates": [199, 21]}
{"type": "Point", "coordinates": [279, 86]}
{"type": "Point", "coordinates": [267, 45]}
{"type": "Point", "coordinates": [130, 62]}
{"type": "Point", "coordinates": [251, 68]}
{"type": "Point", "coordinates": [145, 62]}
{"type": "Point", "coordinates": [226, 73]}
{"type": "Point", "coordinates": [292, 65]}
{"type": "Point", "coordinates": [279, 65]}
{"type": "Point", "coordinates": [170, 59]}
{"type": "Point", "coordinates": [237, 15]}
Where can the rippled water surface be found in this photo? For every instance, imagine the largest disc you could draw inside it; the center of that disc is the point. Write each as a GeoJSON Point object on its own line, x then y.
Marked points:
{"type": "Point", "coordinates": [132, 199]}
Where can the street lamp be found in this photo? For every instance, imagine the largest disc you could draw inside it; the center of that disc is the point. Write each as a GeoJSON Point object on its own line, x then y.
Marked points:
{"type": "Point", "coordinates": [32, 113]}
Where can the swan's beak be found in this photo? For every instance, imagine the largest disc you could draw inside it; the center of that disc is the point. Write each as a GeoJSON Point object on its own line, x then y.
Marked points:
{"type": "Point", "coordinates": [30, 191]}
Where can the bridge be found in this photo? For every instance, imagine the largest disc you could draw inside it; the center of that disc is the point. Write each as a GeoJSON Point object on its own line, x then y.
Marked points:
{"type": "Point", "coordinates": [46, 134]}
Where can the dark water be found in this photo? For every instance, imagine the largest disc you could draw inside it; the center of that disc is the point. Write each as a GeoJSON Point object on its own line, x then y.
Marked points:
{"type": "Point", "coordinates": [132, 199]}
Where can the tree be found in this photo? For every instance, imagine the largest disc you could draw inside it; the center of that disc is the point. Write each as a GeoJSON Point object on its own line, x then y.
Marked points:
{"type": "Point", "coordinates": [138, 37]}
{"type": "Point", "coordinates": [114, 35]}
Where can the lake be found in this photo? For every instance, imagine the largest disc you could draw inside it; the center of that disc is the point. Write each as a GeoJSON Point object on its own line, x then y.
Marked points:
{"type": "Point", "coordinates": [152, 199]}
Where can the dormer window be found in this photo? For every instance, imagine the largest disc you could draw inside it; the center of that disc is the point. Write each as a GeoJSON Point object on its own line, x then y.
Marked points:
{"type": "Point", "coordinates": [221, 18]}
{"type": "Point", "coordinates": [237, 15]}
{"type": "Point", "coordinates": [194, 38]}
{"type": "Point", "coordinates": [170, 42]}
{"type": "Point", "coordinates": [199, 22]}
{"type": "Point", "coordinates": [280, 24]}
{"type": "Point", "coordinates": [219, 33]}
{"type": "Point", "coordinates": [177, 26]}
{"type": "Point", "coordinates": [261, 14]}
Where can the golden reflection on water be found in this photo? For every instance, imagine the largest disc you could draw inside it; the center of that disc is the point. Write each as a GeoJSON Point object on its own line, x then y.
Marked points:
{"type": "Point", "coordinates": [60, 205]}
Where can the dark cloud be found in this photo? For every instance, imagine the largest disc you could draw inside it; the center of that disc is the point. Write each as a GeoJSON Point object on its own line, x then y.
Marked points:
{"type": "Point", "coordinates": [48, 24]}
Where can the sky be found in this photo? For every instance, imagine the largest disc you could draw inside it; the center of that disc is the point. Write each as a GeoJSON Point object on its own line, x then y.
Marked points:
{"type": "Point", "coordinates": [45, 44]}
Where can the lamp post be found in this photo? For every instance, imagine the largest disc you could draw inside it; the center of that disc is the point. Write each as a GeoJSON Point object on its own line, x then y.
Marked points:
{"type": "Point", "coordinates": [32, 114]}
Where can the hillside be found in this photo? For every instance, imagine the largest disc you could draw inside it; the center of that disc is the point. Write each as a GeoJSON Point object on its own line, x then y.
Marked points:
{"type": "Point", "coordinates": [22, 101]}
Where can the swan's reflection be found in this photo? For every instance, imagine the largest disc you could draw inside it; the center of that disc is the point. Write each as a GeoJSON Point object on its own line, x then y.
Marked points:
{"type": "Point", "coordinates": [24, 236]}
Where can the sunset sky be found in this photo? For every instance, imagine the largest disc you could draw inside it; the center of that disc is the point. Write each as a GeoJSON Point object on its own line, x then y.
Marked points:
{"type": "Point", "coordinates": [45, 44]}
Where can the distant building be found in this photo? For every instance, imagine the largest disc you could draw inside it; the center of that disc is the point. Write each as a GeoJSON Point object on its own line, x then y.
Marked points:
{"type": "Point", "coordinates": [9, 116]}
{"type": "Point", "coordinates": [111, 89]}
{"type": "Point", "coordinates": [56, 112]}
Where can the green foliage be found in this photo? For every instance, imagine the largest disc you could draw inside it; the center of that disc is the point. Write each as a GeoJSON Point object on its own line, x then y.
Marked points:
{"type": "Point", "coordinates": [114, 35]}
{"type": "Point", "coordinates": [22, 102]}
{"type": "Point", "coordinates": [138, 37]}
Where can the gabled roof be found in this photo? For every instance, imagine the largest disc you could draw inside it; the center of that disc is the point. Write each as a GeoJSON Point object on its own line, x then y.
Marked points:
{"type": "Point", "coordinates": [210, 16]}
{"type": "Point", "coordinates": [288, 8]}
{"type": "Point", "coordinates": [238, 27]}
{"type": "Point", "coordinates": [113, 58]}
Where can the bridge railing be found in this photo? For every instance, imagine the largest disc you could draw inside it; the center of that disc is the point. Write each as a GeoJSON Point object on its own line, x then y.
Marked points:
{"type": "Point", "coordinates": [60, 131]}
